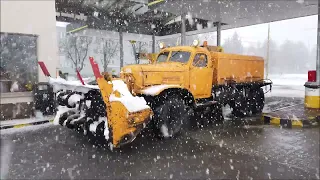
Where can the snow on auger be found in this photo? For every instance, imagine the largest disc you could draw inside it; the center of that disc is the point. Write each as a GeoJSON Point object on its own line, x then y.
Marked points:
{"type": "Point", "coordinates": [170, 92]}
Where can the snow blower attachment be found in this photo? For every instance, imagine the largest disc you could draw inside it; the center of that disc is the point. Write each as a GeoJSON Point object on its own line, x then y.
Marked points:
{"type": "Point", "coordinates": [107, 110]}
{"type": "Point", "coordinates": [126, 114]}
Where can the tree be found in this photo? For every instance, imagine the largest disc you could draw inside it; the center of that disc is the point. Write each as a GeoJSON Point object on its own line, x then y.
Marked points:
{"type": "Point", "coordinates": [76, 49]}
{"type": "Point", "coordinates": [138, 47]}
{"type": "Point", "coordinates": [233, 44]}
{"type": "Point", "coordinates": [273, 58]}
{"type": "Point", "coordinates": [108, 48]}
{"type": "Point", "coordinates": [293, 57]}
{"type": "Point", "coordinates": [311, 64]}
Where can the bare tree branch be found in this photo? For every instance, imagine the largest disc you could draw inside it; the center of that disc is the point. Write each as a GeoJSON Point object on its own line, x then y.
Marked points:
{"type": "Point", "coordinates": [138, 47]}
{"type": "Point", "coordinates": [76, 49]}
{"type": "Point", "coordinates": [108, 48]}
{"type": "Point", "coordinates": [85, 55]}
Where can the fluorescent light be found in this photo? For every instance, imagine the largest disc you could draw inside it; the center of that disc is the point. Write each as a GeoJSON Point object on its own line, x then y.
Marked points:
{"type": "Point", "coordinates": [61, 24]}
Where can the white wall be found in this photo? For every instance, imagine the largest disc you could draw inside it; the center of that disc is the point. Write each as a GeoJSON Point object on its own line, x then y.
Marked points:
{"type": "Point", "coordinates": [37, 18]}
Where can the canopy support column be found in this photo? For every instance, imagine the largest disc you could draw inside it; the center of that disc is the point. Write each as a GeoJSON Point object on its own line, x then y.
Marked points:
{"type": "Point", "coordinates": [183, 29]}
{"type": "Point", "coordinates": [121, 47]}
{"type": "Point", "coordinates": [219, 33]}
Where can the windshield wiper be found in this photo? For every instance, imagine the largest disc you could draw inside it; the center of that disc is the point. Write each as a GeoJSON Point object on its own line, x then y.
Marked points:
{"type": "Point", "coordinates": [176, 53]}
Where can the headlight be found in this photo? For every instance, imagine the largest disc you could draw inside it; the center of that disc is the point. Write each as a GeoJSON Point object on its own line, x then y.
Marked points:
{"type": "Point", "coordinates": [195, 43]}
{"type": "Point", "coordinates": [161, 45]}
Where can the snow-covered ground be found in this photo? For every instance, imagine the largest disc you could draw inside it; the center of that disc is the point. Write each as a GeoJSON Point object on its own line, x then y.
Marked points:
{"type": "Point", "coordinates": [287, 85]}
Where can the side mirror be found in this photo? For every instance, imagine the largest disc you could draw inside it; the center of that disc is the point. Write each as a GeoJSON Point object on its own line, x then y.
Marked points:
{"type": "Point", "coordinates": [152, 57]}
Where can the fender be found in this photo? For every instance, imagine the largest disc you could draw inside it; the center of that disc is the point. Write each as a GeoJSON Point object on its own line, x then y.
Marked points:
{"type": "Point", "coordinates": [155, 90]}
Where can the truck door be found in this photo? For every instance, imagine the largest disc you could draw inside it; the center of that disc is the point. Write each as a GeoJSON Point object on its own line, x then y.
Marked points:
{"type": "Point", "coordinates": [201, 74]}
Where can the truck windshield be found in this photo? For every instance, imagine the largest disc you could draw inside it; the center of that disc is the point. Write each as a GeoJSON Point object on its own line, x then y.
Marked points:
{"type": "Point", "coordinates": [180, 56]}
{"type": "Point", "coordinates": [163, 57]}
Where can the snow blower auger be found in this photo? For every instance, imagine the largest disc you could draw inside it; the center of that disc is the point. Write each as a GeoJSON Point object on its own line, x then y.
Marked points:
{"type": "Point", "coordinates": [107, 110]}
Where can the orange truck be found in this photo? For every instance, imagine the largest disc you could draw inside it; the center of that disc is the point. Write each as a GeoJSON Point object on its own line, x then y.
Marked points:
{"type": "Point", "coordinates": [166, 95]}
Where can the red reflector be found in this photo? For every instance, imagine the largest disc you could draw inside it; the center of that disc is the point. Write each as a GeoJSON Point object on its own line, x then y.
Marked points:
{"type": "Point", "coordinates": [44, 68]}
{"type": "Point", "coordinates": [312, 76]}
{"type": "Point", "coordinates": [80, 77]}
{"type": "Point", "coordinates": [95, 68]}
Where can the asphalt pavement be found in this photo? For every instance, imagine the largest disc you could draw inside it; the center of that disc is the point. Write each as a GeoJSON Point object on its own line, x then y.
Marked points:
{"type": "Point", "coordinates": [232, 150]}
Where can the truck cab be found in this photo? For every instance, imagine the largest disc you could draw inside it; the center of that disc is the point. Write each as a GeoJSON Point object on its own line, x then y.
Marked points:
{"type": "Point", "coordinates": [187, 67]}
{"type": "Point", "coordinates": [197, 65]}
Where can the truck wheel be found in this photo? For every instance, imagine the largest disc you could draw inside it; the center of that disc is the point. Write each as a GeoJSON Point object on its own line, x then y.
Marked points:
{"type": "Point", "coordinates": [213, 117]}
{"type": "Point", "coordinates": [218, 114]}
{"type": "Point", "coordinates": [170, 117]}
{"type": "Point", "coordinates": [256, 100]}
{"type": "Point", "coordinates": [239, 106]}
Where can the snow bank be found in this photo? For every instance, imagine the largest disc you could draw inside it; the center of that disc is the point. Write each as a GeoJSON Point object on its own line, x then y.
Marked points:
{"type": "Point", "coordinates": [287, 85]}
{"type": "Point", "coordinates": [288, 79]}
{"type": "Point", "coordinates": [62, 84]}
{"type": "Point", "coordinates": [286, 91]}
{"type": "Point", "coordinates": [132, 103]}
{"type": "Point", "coordinates": [154, 90]}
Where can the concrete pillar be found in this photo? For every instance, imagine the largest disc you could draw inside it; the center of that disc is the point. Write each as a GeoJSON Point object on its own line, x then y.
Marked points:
{"type": "Point", "coordinates": [318, 47]}
{"type": "Point", "coordinates": [312, 89]}
{"type": "Point", "coordinates": [183, 29]}
{"type": "Point", "coordinates": [153, 42]}
{"type": "Point", "coordinates": [219, 33]}
{"type": "Point", "coordinates": [121, 47]}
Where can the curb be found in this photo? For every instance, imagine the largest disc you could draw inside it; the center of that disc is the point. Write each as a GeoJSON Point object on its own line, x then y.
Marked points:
{"type": "Point", "coordinates": [25, 124]}
{"type": "Point", "coordinates": [289, 123]}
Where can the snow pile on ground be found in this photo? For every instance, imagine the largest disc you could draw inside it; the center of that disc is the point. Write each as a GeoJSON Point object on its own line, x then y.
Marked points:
{"type": "Point", "coordinates": [132, 103]}
{"type": "Point", "coordinates": [62, 84]}
{"type": "Point", "coordinates": [288, 79]}
{"type": "Point", "coordinates": [287, 85]}
{"type": "Point", "coordinates": [154, 90]}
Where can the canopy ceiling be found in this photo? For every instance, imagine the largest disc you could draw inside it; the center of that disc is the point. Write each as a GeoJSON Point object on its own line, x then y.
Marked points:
{"type": "Point", "coordinates": [163, 17]}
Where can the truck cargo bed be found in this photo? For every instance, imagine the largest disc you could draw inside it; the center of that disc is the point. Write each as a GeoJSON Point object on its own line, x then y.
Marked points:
{"type": "Point", "coordinates": [236, 68]}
